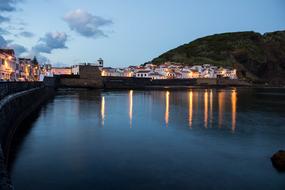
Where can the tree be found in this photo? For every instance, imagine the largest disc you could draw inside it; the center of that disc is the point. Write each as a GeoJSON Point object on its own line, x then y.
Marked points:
{"type": "Point", "coordinates": [35, 61]}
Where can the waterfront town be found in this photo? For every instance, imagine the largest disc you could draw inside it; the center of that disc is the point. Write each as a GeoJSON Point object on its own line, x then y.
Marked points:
{"type": "Point", "coordinates": [134, 95]}
{"type": "Point", "coordinates": [13, 68]}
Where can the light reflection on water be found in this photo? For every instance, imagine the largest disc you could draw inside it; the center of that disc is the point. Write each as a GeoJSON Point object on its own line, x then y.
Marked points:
{"type": "Point", "coordinates": [87, 139]}
{"type": "Point", "coordinates": [190, 108]}
{"type": "Point", "coordinates": [234, 109]}
{"type": "Point", "coordinates": [211, 108]}
{"type": "Point", "coordinates": [131, 107]}
{"type": "Point", "coordinates": [103, 110]}
{"type": "Point", "coordinates": [167, 94]}
{"type": "Point", "coordinates": [206, 107]}
{"type": "Point", "coordinates": [221, 96]}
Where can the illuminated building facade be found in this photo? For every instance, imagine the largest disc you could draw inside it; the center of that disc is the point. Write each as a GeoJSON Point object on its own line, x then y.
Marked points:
{"type": "Point", "coordinates": [8, 65]}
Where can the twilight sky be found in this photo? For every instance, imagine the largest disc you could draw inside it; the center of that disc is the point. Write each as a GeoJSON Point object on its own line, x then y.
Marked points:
{"type": "Point", "coordinates": [125, 32]}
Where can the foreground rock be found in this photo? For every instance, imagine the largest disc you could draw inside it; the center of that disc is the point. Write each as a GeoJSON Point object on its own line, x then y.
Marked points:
{"type": "Point", "coordinates": [278, 160]}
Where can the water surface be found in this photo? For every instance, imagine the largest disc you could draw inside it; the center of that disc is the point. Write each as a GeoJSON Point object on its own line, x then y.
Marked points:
{"type": "Point", "coordinates": [187, 139]}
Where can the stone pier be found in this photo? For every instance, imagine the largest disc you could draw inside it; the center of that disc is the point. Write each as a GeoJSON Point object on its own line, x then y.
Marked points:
{"type": "Point", "coordinates": [18, 101]}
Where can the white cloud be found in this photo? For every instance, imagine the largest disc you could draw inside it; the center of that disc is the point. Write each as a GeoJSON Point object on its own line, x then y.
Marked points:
{"type": "Point", "coordinates": [86, 24]}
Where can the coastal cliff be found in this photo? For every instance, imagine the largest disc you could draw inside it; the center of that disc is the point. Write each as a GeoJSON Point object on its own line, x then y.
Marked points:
{"type": "Point", "coordinates": [257, 57]}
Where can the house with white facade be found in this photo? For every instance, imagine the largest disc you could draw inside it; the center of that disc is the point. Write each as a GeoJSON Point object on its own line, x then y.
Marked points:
{"type": "Point", "coordinates": [198, 68]}
{"type": "Point", "coordinates": [208, 73]}
{"type": "Point", "coordinates": [171, 70]}
{"type": "Point", "coordinates": [108, 71]}
{"type": "Point", "coordinates": [143, 74]}
{"type": "Point", "coordinates": [156, 76]}
{"type": "Point", "coordinates": [231, 74]}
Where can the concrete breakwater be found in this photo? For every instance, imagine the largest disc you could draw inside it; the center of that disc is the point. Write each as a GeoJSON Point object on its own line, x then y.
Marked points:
{"type": "Point", "coordinates": [14, 108]}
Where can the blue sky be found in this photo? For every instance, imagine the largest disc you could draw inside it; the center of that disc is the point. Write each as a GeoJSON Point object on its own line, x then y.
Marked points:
{"type": "Point", "coordinates": [125, 32]}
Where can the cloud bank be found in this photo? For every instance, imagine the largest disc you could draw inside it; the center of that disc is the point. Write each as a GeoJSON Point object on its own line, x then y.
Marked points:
{"type": "Point", "coordinates": [86, 24]}
{"type": "Point", "coordinates": [19, 49]}
{"type": "Point", "coordinates": [4, 19]}
{"type": "Point", "coordinates": [3, 42]}
{"type": "Point", "coordinates": [7, 6]}
{"type": "Point", "coordinates": [50, 42]}
{"type": "Point", "coordinates": [27, 34]}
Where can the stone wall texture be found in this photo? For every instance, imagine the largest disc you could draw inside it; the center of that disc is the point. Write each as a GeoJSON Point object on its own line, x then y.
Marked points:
{"type": "Point", "coordinates": [145, 83]}
{"type": "Point", "coordinates": [89, 72]}
{"type": "Point", "coordinates": [80, 83]}
{"type": "Point", "coordinates": [7, 88]}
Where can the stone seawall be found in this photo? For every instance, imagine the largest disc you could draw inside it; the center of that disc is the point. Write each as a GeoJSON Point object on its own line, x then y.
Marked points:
{"type": "Point", "coordinates": [80, 83]}
{"type": "Point", "coordinates": [13, 110]}
{"type": "Point", "coordinates": [7, 88]}
{"type": "Point", "coordinates": [125, 82]}
{"type": "Point", "coordinates": [146, 83]}
{"type": "Point", "coordinates": [109, 82]}
{"type": "Point", "coordinates": [205, 81]}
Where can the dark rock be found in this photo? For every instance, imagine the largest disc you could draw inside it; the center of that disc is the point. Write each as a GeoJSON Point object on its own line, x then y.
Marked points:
{"type": "Point", "coordinates": [278, 160]}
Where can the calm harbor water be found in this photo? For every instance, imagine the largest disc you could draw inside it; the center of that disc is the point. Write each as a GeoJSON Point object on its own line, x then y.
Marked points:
{"type": "Point", "coordinates": [186, 139]}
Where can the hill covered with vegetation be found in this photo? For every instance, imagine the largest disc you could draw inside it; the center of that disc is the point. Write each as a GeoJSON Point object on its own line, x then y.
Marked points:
{"type": "Point", "coordinates": [257, 57]}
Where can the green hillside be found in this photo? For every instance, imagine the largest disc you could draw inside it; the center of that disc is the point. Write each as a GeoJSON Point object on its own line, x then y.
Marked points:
{"type": "Point", "coordinates": [257, 57]}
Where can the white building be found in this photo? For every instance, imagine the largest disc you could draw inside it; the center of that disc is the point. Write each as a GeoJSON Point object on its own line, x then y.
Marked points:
{"type": "Point", "coordinates": [208, 73]}
{"type": "Point", "coordinates": [75, 70]}
{"type": "Point", "coordinates": [226, 73]}
{"type": "Point", "coordinates": [171, 70]}
{"type": "Point", "coordinates": [112, 72]}
{"type": "Point", "coordinates": [198, 68]}
{"type": "Point", "coordinates": [231, 73]}
{"type": "Point", "coordinates": [143, 74]}
{"type": "Point", "coordinates": [186, 74]}
{"type": "Point", "coordinates": [45, 71]}
{"type": "Point", "coordinates": [100, 62]}
{"type": "Point", "coordinates": [156, 76]}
